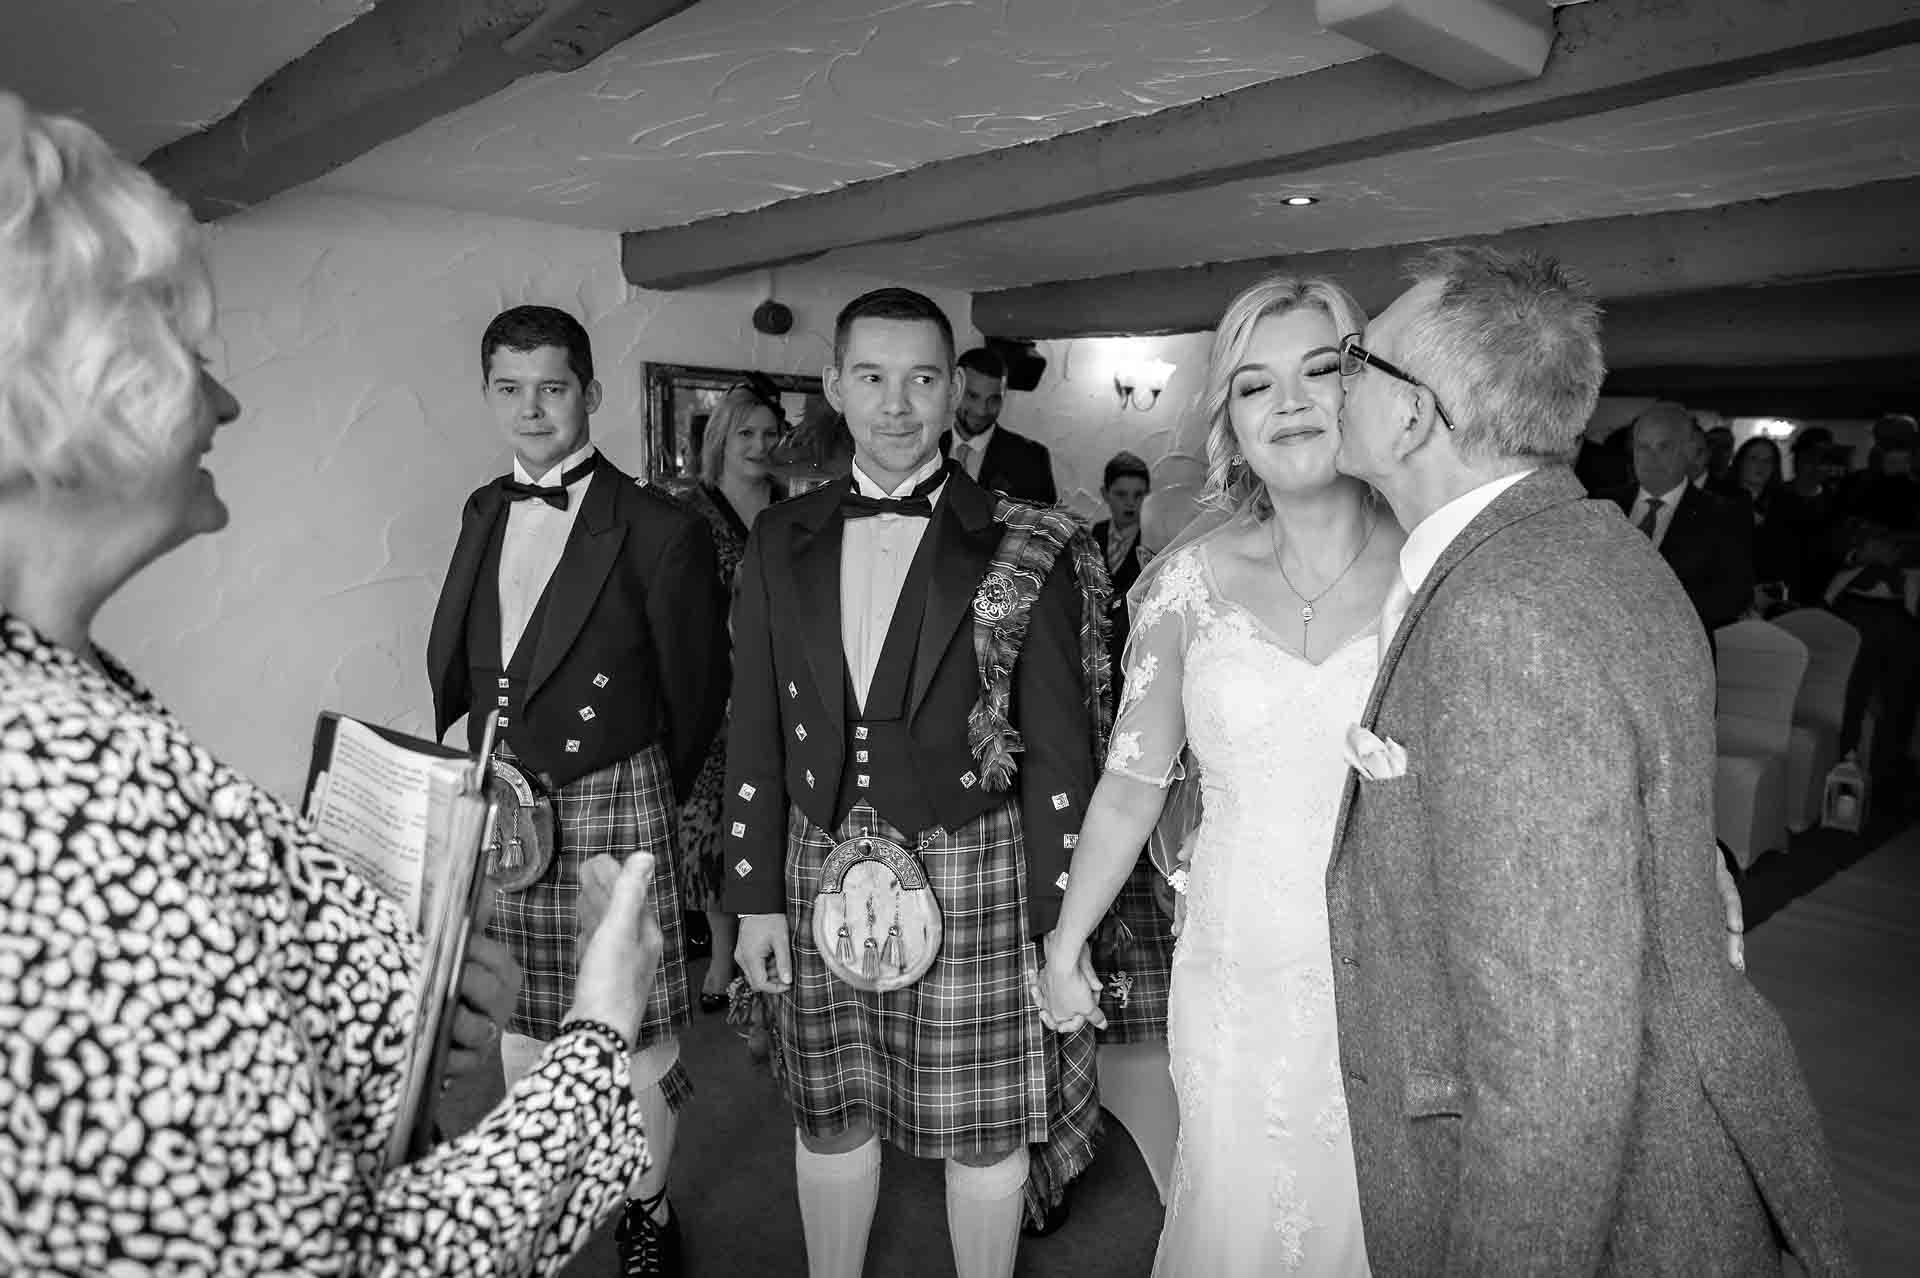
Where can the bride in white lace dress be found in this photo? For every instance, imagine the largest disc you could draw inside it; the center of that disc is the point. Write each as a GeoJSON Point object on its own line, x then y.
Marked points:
{"type": "Point", "coordinates": [1254, 645]}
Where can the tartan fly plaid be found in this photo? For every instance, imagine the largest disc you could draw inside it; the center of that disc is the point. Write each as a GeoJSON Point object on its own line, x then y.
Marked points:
{"type": "Point", "coordinates": [958, 1062]}
{"type": "Point", "coordinates": [622, 809]}
{"type": "Point", "coordinates": [1133, 954]}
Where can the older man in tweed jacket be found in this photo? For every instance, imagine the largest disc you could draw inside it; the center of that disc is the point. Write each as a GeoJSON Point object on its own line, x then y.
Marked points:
{"type": "Point", "coordinates": [1551, 1068]}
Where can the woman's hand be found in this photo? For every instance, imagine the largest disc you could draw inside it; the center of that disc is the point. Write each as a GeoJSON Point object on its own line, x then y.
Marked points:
{"type": "Point", "coordinates": [1067, 990]}
{"type": "Point", "coordinates": [620, 942]}
{"type": "Point", "coordinates": [489, 987]}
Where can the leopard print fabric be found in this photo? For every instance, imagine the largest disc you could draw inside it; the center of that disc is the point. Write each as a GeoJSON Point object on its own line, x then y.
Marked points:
{"type": "Point", "coordinates": [202, 1021]}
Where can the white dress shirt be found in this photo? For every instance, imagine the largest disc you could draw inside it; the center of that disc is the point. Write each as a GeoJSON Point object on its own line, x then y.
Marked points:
{"type": "Point", "coordinates": [1663, 520]}
{"type": "Point", "coordinates": [530, 550]}
{"type": "Point", "coordinates": [875, 553]}
{"type": "Point", "coordinates": [1432, 535]}
{"type": "Point", "coordinates": [976, 448]}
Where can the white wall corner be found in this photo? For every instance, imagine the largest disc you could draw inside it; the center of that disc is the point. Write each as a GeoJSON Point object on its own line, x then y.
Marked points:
{"type": "Point", "coordinates": [1475, 44]}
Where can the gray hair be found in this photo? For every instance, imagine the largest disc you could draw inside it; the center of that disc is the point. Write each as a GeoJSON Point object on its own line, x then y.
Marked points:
{"type": "Point", "coordinates": [1235, 488]}
{"type": "Point", "coordinates": [104, 298]}
{"type": "Point", "coordinates": [1511, 346]}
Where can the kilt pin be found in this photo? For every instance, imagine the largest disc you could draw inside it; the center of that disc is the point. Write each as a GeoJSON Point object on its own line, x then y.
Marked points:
{"type": "Point", "coordinates": [957, 1063]}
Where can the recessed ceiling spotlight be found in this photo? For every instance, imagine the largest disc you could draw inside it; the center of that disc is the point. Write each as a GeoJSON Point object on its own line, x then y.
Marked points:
{"type": "Point", "coordinates": [1301, 201]}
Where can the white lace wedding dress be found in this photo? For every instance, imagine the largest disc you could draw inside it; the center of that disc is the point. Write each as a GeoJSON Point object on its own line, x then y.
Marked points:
{"type": "Point", "coordinates": [1263, 1181]}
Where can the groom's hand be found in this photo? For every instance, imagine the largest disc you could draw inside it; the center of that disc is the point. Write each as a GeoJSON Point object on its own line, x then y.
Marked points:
{"type": "Point", "coordinates": [764, 952]}
{"type": "Point", "coordinates": [1067, 990]}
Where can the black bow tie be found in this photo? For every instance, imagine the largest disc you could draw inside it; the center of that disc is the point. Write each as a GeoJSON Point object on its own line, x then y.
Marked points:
{"type": "Point", "coordinates": [554, 495]}
{"type": "Point", "coordinates": [855, 504]}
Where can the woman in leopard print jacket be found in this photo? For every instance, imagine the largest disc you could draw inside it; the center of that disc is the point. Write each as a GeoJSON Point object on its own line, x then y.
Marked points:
{"type": "Point", "coordinates": [202, 1014]}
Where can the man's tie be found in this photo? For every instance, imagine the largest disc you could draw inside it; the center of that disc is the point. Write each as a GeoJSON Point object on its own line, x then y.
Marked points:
{"type": "Point", "coordinates": [855, 504]}
{"type": "Point", "coordinates": [554, 495]}
{"type": "Point", "coordinates": [1392, 611]}
{"type": "Point", "coordinates": [1651, 520]}
{"type": "Point", "coordinates": [963, 456]}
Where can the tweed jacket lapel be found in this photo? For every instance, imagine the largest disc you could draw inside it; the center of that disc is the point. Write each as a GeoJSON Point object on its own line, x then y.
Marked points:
{"type": "Point", "coordinates": [1546, 487]}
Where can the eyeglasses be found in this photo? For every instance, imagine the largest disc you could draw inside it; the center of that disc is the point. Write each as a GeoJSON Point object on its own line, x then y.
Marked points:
{"type": "Point", "coordinates": [1354, 357]}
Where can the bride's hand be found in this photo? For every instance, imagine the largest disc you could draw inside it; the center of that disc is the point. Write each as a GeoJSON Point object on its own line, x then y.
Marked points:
{"type": "Point", "coordinates": [1067, 990]}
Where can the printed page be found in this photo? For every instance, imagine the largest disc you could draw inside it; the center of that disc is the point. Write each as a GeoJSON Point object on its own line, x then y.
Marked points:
{"type": "Point", "coordinates": [372, 809]}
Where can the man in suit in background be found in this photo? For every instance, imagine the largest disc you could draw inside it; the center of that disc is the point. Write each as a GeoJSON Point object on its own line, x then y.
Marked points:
{"type": "Point", "coordinates": [583, 614]}
{"type": "Point", "coordinates": [1705, 539]}
{"type": "Point", "coordinates": [993, 456]}
{"type": "Point", "coordinates": [1551, 1067]}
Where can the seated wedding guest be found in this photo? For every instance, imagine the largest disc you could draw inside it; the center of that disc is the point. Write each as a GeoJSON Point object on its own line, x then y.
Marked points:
{"type": "Point", "coordinates": [735, 485]}
{"type": "Point", "coordinates": [1882, 602]}
{"type": "Point", "coordinates": [1709, 548]}
{"type": "Point", "coordinates": [1753, 486]}
{"type": "Point", "coordinates": [203, 1015]}
{"type": "Point", "coordinates": [1807, 515]}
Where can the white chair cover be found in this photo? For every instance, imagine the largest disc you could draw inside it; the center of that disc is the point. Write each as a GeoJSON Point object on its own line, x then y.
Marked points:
{"type": "Point", "coordinates": [1813, 748]}
{"type": "Point", "coordinates": [1760, 669]}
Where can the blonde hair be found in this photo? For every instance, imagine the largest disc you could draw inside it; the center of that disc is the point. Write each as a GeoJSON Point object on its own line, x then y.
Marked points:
{"type": "Point", "coordinates": [1231, 485]}
{"type": "Point", "coordinates": [104, 298]}
{"type": "Point", "coordinates": [734, 408]}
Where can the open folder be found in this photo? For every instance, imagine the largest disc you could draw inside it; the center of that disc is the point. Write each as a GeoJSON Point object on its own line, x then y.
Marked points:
{"type": "Point", "coordinates": [411, 817]}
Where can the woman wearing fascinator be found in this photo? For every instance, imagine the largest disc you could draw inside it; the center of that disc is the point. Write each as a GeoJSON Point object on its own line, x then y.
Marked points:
{"type": "Point", "coordinates": [1254, 644]}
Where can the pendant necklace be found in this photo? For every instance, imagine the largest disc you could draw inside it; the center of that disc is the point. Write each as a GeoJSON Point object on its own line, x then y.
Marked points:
{"type": "Point", "coordinates": [1306, 604]}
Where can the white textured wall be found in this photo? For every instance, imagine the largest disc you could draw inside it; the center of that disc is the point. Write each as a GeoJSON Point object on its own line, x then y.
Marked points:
{"type": "Point", "coordinates": [1075, 412]}
{"type": "Point", "coordinates": [350, 331]}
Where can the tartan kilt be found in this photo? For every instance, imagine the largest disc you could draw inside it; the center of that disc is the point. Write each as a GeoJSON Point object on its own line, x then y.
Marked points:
{"type": "Point", "coordinates": [621, 809]}
{"type": "Point", "coordinates": [958, 1062]}
{"type": "Point", "coordinates": [1133, 951]}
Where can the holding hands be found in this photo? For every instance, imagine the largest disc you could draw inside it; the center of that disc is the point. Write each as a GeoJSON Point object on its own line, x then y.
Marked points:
{"type": "Point", "coordinates": [1066, 988]}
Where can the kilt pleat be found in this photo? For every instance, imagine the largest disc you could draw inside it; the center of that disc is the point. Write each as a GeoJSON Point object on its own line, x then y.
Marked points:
{"type": "Point", "coordinates": [957, 1063]}
{"type": "Point", "coordinates": [625, 808]}
{"type": "Point", "coordinates": [1134, 953]}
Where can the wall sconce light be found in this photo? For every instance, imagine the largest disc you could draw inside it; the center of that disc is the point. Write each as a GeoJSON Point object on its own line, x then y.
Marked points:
{"type": "Point", "coordinates": [1139, 384]}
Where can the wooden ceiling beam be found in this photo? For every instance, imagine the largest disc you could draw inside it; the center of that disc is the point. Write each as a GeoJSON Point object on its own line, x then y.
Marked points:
{"type": "Point", "coordinates": [1872, 229]}
{"type": "Point", "coordinates": [1607, 54]}
{"type": "Point", "coordinates": [400, 65]}
{"type": "Point", "coordinates": [1863, 388]}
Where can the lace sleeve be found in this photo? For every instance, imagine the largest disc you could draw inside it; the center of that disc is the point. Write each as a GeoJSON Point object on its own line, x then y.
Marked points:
{"type": "Point", "coordinates": [1150, 726]}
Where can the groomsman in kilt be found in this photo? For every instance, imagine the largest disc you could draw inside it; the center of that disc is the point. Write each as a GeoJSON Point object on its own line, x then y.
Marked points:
{"type": "Point", "coordinates": [875, 661]}
{"type": "Point", "coordinates": [582, 613]}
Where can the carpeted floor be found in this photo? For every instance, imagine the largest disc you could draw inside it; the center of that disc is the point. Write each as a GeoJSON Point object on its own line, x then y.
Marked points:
{"type": "Point", "coordinates": [733, 1173]}
{"type": "Point", "coordinates": [733, 1187]}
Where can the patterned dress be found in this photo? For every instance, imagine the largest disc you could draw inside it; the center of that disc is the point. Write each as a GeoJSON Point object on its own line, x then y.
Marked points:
{"type": "Point", "coordinates": [702, 869]}
{"type": "Point", "coordinates": [1263, 1179]}
{"type": "Point", "coordinates": [203, 1017]}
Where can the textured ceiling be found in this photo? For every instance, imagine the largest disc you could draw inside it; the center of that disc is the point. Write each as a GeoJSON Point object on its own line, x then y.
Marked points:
{"type": "Point", "coordinates": [734, 104]}
{"type": "Point", "coordinates": [1837, 126]}
{"type": "Point", "coordinates": [144, 72]}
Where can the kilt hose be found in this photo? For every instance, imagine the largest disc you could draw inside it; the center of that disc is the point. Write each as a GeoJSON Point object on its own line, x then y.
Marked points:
{"type": "Point", "coordinates": [1133, 954]}
{"type": "Point", "coordinates": [625, 808]}
{"type": "Point", "coordinates": [958, 1062]}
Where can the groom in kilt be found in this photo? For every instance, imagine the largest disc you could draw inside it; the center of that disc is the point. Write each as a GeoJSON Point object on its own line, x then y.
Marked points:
{"type": "Point", "coordinates": [894, 686]}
